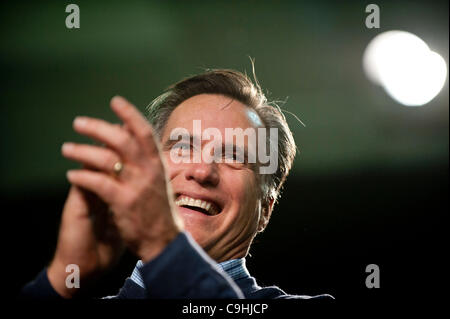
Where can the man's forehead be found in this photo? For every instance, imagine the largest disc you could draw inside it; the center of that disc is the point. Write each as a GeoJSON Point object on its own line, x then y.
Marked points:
{"type": "Point", "coordinates": [213, 110]}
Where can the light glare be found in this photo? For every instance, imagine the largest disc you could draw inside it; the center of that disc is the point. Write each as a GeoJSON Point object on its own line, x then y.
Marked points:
{"type": "Point", "coordinates": [404, 65]}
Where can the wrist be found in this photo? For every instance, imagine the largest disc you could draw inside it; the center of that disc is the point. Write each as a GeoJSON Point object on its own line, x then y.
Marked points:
{"type": "Point", "coordinates": [56, 274]}
{"type": "Point", "coordinates": [154, 248]}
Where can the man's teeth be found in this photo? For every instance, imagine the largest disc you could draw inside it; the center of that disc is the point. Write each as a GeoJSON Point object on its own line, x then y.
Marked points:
{"type": "Point", "coordinates": [189, 201]}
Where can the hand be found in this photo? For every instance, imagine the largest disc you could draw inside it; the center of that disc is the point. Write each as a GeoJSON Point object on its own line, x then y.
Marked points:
{"type": "Point", "coordinates": [87, 238]}
{"type": "Point", "coordinates": [140, 196]}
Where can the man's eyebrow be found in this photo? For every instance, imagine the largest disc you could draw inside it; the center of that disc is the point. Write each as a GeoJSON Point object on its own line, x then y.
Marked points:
{"type": "Point", "coordinates": [234, 147]}
{"type": "Point", "coordinates": [168, 144]}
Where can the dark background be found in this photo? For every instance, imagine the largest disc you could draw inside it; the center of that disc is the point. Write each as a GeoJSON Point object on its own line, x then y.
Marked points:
{"type": "Point", "coordinates": [369, 185]}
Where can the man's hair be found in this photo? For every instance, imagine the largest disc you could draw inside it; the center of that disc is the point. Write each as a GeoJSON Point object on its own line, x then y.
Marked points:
{"type": "Point", "coordinates": [240, 87]}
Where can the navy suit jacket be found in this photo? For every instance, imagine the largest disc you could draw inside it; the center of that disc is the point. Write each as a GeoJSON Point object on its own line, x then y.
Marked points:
{"type": "Point", "coordinates": [182, 270]}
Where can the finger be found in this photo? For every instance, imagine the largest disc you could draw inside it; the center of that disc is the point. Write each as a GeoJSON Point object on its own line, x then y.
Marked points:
{"type": "Point", "coordinates": [95, 157]}
{"type": "Point", "coordinates": [106, 187]}
{"type": "Point", "coordinates": [135, 122]}
{"type": "Point", "coordinates": [112, 135]}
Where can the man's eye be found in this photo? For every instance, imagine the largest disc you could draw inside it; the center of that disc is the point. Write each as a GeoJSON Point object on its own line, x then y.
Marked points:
{"type": "Point", "coordinates": [231, 156]}
{"type": "Point", "coordinates": [182, 146]}
{"type": "Point", "coordinates": [235, 157]}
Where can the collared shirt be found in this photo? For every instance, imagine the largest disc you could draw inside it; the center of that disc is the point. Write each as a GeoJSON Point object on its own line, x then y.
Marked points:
{"type": "Point", "coordinates": [235, 269]}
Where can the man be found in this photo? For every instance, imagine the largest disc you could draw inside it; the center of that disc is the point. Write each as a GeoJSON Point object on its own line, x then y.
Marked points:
{"type": "Point", "coordinates": [188, 208]}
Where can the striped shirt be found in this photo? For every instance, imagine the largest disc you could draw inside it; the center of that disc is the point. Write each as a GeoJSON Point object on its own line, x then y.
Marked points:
{"type": "Point", "coordinates": [235, 268]}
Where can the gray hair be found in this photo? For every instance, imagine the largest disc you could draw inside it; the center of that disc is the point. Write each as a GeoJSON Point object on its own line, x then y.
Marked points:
{"type": "Point", "coordinates": [240, 87]}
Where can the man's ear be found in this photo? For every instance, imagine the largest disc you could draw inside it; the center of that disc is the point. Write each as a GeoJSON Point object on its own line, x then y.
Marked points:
{"type": "Point", "coordinates": [266, 212]}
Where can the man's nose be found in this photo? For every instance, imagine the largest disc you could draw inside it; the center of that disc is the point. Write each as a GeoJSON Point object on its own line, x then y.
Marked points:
{"type": "Point", "coordinates": [203, 173]}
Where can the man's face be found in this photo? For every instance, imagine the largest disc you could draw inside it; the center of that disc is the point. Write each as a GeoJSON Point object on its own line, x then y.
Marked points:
{"type": "Point", "coordinates": [226, 218]}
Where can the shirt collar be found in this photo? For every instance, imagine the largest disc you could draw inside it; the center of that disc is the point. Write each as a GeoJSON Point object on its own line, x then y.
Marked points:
{"type": "Point", "coordinates": [235, 268]}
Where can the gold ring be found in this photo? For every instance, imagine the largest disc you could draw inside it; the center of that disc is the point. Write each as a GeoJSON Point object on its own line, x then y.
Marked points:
{"type": "Point", "coordinates": [117, 168]}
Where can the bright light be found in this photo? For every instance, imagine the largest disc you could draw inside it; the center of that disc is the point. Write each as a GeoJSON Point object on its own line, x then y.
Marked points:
{"type": "Point", "coordinates": [404, 65]}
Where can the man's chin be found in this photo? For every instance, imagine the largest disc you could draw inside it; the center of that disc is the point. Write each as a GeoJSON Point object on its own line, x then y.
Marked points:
{"type": "Point", "coordinates": [194, 221]}
{"type": "Point", "coordinates": [196, 225]}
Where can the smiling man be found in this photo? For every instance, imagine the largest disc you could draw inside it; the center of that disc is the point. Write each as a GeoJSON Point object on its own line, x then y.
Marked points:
{"type": "Point", "coordinates": [188, 207]}
{"type": "Point", "coordinates": [230, 191]}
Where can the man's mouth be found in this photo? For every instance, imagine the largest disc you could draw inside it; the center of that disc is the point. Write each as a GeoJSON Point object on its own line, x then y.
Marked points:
{"type": "Point", "coordinates": [199, 205]}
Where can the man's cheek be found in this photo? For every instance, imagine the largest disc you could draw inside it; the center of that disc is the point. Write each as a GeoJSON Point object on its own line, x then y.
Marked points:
{"type": "Point", "coordinates": [171, 167]}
